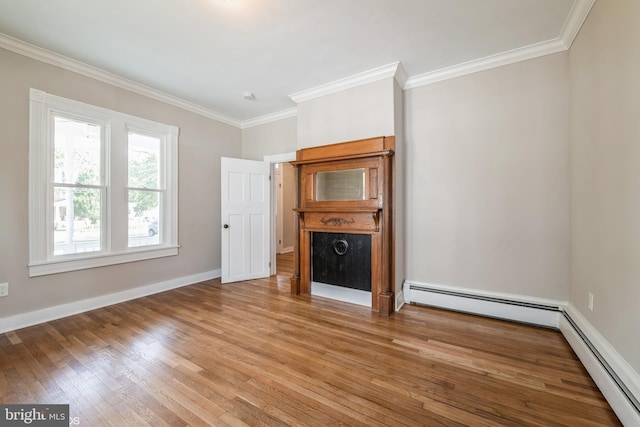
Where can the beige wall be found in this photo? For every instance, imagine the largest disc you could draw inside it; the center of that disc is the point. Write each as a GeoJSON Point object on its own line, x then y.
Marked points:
{"type": "Point", "coordinates": [269, 139]}
{"type": "Point", "coordinates": [605, 144]}
{"type": "Point", "coordinates": [365, 111]}
{"type": "Point", "coordinates": [487, 186]}
{"type": "Point", "coordinates": [201, 144]}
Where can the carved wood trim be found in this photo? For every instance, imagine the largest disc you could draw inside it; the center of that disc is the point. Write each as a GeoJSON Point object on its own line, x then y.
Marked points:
{"type": "Point", "coordinates": [336, 221]}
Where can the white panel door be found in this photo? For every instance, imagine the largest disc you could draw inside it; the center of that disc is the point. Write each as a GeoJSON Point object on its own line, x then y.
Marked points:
{"type": "Point", "coordinates": [245, 210]}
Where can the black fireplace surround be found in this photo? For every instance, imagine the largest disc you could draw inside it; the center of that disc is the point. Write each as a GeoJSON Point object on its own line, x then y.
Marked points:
{"type": "Point", "coordinates": [342, 259]}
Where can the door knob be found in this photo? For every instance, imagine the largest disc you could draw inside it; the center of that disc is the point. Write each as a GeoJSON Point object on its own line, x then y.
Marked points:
{"type": "Point", "coordinates": [226, 226]}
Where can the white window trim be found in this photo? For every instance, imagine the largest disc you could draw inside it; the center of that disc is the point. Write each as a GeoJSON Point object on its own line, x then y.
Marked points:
{"type": "Point", "coordinates": [41, 259]}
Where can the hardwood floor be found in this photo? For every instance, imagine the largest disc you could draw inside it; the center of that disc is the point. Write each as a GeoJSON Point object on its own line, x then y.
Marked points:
{"type": "Point", "coordinates": [251, 354]}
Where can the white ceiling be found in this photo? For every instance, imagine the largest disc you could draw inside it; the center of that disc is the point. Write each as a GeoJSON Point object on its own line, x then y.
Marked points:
{"type": "Point", "coordinates": [209, 52]}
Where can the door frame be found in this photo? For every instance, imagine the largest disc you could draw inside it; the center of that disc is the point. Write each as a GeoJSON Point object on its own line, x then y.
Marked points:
{"type": "Point", "coordinates": [273, 159]}
{"type": "Point", "coordinates": [279, 195]}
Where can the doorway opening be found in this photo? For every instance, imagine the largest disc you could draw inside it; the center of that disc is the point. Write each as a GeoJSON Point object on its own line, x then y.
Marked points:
{"type": "Point", "coordinates": [282, 200]}
{"type": "Point", "coordinates": [283, 193]}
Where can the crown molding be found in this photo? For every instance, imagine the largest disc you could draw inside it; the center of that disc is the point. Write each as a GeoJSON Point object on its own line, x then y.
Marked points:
{"type": "Point", "coordinates": [268, 118]}
{"type": "Point", "coordinates": [43, 55]}
{"type": "Point", "coordinates": [578, 14]}
{"type": "Point", "coordinates": [370, 76]}
{"type": "Point", "coordinates": [401, 75]}
{"type": "Point", "coordinates": [486, 63]}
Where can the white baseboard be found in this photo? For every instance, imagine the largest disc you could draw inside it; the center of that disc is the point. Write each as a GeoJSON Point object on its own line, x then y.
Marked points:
{"type": "Point", "coordinates": [35, 317]}
{"type": "Point", "coordinates": [537, 311]}
{"type": "Point", "coordinates": [616, 379]}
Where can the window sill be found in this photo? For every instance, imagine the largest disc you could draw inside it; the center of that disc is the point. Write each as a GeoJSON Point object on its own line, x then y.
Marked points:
{"type": "Point", "coordinates": [65, 265]}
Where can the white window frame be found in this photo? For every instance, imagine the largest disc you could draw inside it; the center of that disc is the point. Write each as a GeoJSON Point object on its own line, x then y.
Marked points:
{"type": "Point", "coordinates": [114, 241]}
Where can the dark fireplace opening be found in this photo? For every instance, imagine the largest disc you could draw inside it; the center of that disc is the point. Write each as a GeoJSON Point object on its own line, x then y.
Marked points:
{"type": "Point", "coordinates": [341, 259]}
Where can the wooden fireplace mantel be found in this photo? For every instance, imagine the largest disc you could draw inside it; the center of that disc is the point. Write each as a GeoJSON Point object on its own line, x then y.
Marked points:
{"type": "Point", "coordinates": [371, 214]}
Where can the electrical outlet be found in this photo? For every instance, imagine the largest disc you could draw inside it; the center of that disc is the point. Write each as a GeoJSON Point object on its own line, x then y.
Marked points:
{"type": "Point", "coordinates": [590, 301]}
{"type": "Point", "coordinates": [4, 289]}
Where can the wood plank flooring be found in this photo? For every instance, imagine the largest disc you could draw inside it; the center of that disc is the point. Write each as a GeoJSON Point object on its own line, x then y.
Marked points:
{"type": "Point", "coordinates": [249, 353]}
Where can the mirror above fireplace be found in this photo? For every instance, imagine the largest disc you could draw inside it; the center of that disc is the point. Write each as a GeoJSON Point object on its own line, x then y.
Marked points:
{"type": "Point", "coordinates": [346, 184]}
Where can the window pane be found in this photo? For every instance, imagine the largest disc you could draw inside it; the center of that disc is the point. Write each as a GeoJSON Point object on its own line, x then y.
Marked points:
{"type": "Point", "coordinates": [144, 215]}
{"type": "Point", "coordinates": [144, 161]}
{"type": "Point", "coordinates": [76, 220]}
{"type": "Point", "coordinates": [77, 152]}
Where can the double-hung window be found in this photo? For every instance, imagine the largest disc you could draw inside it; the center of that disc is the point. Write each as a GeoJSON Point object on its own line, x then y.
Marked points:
{"type": "Point", "coordinates": [102, 186]}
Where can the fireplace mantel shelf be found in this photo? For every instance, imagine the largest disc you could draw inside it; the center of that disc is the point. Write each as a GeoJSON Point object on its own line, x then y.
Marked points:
{"type": "Point", "coordinates": [382, 153]}
{"type": "Point", "coordinates": [337, 209]}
